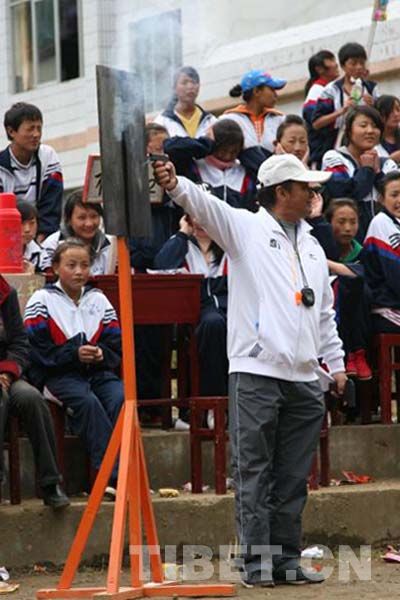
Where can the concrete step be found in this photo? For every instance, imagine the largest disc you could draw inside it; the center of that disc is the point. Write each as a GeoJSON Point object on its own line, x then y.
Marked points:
{"type": "Point", "coordinates": [354, 515]}
{"type": "Point", "coordinates": [364, 449]}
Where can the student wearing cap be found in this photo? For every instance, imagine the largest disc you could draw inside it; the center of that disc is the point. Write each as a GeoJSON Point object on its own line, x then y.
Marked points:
{"type": "Point", "coordinates": [280, 321]}
{"type": "Point", "coordinates": [257, 115]}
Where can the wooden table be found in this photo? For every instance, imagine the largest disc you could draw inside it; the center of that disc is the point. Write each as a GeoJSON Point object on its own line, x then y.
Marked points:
{"type": "Point", "coordinates": [165, 300]}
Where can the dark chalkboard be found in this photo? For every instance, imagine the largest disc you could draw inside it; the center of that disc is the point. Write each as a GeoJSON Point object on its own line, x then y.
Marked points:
{"type": "Point", "coordinates": [123, 153]}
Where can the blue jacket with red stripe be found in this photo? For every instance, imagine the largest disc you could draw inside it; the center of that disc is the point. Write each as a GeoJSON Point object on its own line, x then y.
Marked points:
{"type": "Point", "coordinates": [315, 141]}
{"type": "Point", "coordinates": [47, 180]}
{"type": "Point", "coordinates": [57, 327]}
{"type": "Point", "coordinates": [381, 260]}
{"type": "Point", "coordinates": [351, 180]}
{"type": "Point", "coordinates": [236, 184]}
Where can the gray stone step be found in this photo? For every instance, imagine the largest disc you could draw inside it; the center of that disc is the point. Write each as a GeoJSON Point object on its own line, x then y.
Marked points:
{"type": "Point", "coordinates": [354, 515]}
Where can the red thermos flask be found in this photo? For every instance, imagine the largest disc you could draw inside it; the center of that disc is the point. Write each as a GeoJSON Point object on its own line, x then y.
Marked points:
{"type": "Point", "coordinates": [10, 235]}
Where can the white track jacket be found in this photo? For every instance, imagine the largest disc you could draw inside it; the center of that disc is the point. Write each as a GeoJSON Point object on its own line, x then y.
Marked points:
{"type": "Point", "coordinates": [269, 332]}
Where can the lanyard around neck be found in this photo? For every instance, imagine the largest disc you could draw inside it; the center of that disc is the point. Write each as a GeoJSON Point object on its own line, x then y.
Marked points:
{"type": "Point", "coordinates": [296, 252]}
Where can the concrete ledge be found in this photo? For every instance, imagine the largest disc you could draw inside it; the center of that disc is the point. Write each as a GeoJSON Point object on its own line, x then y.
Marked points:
{"type": "Point", "coordinates": [370, 449]}
{"type": "Point", "coordinates": [365, 514]}
{"type": "Point", "coordinates": [167, 458]}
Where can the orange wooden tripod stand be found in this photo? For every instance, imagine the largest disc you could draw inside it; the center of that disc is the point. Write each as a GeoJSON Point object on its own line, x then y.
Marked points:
{"type": "Point", "coordinates": [132, 493]}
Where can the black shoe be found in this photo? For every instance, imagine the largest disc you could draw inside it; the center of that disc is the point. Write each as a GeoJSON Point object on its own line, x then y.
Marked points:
{"type": "Point", "coordinates": [54, 496]}
{"type": "Point", "coordinates": [254, 580]}
{"type": "Point", "coordinates": [298, 576]}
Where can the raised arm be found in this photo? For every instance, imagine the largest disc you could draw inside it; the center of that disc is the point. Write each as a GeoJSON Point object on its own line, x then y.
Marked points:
{"type": "Point", "coordinates": [227, 226]}
{"type": "Point", "coordinates": [172, 255]}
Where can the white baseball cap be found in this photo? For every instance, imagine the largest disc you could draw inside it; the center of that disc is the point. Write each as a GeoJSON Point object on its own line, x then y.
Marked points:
{"type": "Point", "coordinates": [287, 167]}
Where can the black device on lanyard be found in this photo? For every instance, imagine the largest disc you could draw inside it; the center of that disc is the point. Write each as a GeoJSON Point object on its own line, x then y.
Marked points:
{"type": "Point", "coordinates": [307, 296]}
{"type": "Point", "coordinates": [307, 293]}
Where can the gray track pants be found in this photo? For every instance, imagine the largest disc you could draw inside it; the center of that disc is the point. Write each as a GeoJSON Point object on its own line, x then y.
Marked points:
{"type": "Point", "coordinates": [274, 428]}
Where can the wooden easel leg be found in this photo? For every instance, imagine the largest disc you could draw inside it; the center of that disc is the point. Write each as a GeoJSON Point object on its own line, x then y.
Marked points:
{"type": "Point", "coordinates": [148, 518]}
{"type": "Point", "coordinates": [135, 525]}
{"type": "Point", "coordinates": [89, 515]}
{"type": "Point", "coordinates": [119, 522]}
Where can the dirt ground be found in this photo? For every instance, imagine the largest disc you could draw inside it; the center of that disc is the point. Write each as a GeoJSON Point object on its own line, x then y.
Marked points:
{"type": "Point", "coordinates": [384, 584]}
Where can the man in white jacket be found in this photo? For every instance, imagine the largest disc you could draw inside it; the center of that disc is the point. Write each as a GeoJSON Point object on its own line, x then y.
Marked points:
{"type": "Point", "coordinates": [280, 322]}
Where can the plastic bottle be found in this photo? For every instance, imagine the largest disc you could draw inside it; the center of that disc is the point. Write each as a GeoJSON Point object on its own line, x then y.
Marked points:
{"type": "Point", "coordinates": [356, 93]}
{"type": "Point", "coordinates": [10, 235]}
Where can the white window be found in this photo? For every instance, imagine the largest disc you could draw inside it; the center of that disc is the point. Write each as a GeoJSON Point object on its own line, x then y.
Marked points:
{"type": "Point", "coordinates": [45, 42]}
{"type": "Point", "coordinates": [156, 54]}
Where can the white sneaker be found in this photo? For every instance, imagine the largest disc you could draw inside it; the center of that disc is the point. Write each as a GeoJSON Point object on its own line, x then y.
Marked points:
{"type": "Point", "coordinates": [210, 419]}
{"type": "Point", "coordinates": [110, 494]}
{"type": "Point", "coordinates": [181, 425]}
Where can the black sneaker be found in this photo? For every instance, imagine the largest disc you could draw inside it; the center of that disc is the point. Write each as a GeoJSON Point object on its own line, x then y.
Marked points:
{"type": "Point", "coordinates": [254, 580]}
{"type": "Point", "coordinates": [298, 576]}
{"type": "Point", "coordinates": [54, 496]}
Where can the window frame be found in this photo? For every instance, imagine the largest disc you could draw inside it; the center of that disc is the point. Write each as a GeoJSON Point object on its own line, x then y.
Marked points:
{"type": "Point", "coordinates": [35, 64]}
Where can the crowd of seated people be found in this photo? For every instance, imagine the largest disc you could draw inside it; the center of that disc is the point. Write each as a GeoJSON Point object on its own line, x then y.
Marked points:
{"type": "Point", "coordinates": [346, 128]}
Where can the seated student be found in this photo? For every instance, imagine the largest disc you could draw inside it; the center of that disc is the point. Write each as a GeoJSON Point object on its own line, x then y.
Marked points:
{"type": "Point", "coordinates": [30, 169]}
{"type": "Point", "coordinates": [19, 398]}
{"type": "Point", "coordinates": [352, 298]}
{"type": "Point", "coordinates": [389, 109]}
{"type": "Point", "coordinates": [323, 69]}
{"type": "Point", "coordinates": [381, 259]}
{"type": "Point", "coordinates": [82, 220]}
{"type": "Point", "coordinates": [214, 160]}
{"type": "Point", "coordinates": [338, 97]}
{"type": "Point", "coordinates": [76, 347]}
{"type": "Point", "coordinates": [193, 249]}
{"type": "Point", "coordinates": [35, 256]}
{"type": "Point", "coordinates": [292, 138]}
{"type": "Point", "coordinates": [183, 116]}
{"type": "Point", "coordinates": [356, 167]}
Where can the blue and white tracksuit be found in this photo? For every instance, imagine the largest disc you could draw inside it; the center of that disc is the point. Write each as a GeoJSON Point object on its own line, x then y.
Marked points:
{"type": "Point", "coordinates": [350, 180]}
{"type": "Point", "coordinates": [381, 260]}
{"type": "Point", "coordinates": [57, 327]}
{"type": "Point", "coordinates": [45, 188]}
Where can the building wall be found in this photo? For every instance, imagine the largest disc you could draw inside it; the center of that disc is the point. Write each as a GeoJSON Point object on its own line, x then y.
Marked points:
{"type": "Point", "coordinates": [69, 108]}
{"type": "Point", "coordinates": [222, 39]}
